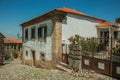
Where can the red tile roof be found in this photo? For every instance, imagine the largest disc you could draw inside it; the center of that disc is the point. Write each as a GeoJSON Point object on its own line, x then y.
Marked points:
{"type": "Point", "coordinates": [65, 10]}
{"type": "Point", "coordinates": [68, 10]}
{"type": "Point", "coordinates": [107, 24]}
{"type": "Point", "coordinates": [73, 11]}
{"type": "Point", "coordinates": [12, 40]}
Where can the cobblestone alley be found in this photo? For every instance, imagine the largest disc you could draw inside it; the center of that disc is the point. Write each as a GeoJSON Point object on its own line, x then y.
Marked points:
{"type": "Point", "coordinates": [16, 71]}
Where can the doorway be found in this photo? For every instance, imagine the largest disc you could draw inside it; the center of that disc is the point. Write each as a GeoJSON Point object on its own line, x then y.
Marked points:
{"type": "Point", "coordinates": [64, 53]}
{"type": "Point", "coordinates": [33, 57]}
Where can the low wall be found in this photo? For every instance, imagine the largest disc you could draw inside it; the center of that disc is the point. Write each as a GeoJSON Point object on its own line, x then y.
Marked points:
{"type": "Point", "coordinates": [102, 66]}
{"type": "Point", "coordinates": [74, 57]}
{"type": "Point", "coordinates": [39, 63]}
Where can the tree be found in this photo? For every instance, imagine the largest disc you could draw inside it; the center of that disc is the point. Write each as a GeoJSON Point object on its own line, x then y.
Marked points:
{"type": "Point", "coordinates": [18, 36]}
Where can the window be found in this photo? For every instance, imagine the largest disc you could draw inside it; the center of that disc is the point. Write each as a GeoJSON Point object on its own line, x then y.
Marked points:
{"type": "Point", "coordinates": [45, 32]}
{"type": "Point", "coordinates": [42, 32]}
{"type": "Point", "coordinates": [19, 46]}
{"type": "Point", "coordinates": [14, 46]}
{"type": "Point", "coordinates": [118, 34]}
{"type": "Point", "coordinates": [106, 34]}
{"type": "Point", "coordinates": [26, 53]}
{"type": "Point", "coordinates": [11, 46]}
{"type": "Point", "coordinates": [33, 33]}
{"type": "Point", "coordinates": [26, 34]}
{"type": "Point", "coordinates": [115, 34]}
{"type": "Point", "coordinates": [101, 34]}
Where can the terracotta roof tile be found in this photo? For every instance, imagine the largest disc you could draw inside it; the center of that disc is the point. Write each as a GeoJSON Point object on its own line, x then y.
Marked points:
{"type": "Point", "coordinates": [68, 10]}
{"type": "Point", "coordinates": [64, 10]}
{"type": "Point", "coordinates": [107, 24]}
{"type": "Point", "coordinates": [73, 11]}
{"type": "Point", "coordinates": [12, 40]}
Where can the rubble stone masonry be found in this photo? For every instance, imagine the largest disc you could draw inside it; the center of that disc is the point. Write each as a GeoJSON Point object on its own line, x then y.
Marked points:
{"type": "Point", "coordinates": [56, 41]}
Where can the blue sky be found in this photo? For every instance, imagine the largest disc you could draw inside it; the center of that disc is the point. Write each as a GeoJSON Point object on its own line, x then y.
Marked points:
{"type": "Point", "coordinates": [15, 12]}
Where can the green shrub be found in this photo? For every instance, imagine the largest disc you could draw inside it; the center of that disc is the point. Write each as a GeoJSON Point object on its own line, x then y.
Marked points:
{"type": "Point", "coordinates": [14, 53]}
{"type": "Point", "coordinates": [88, 45]}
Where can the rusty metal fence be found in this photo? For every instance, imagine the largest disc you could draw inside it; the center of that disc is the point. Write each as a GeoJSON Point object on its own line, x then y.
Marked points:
{"type": "Point", "coordinates": [102, 56]}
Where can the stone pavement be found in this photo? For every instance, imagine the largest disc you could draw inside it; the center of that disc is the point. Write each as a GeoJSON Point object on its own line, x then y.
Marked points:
{"type": "Point", "coordinates": [16, 71]}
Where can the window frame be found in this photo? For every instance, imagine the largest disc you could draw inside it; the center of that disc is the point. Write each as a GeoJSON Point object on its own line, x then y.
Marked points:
{"type": "Point", "coordinates": [42, 57]}
{"type": "Point", "coordinates": [26, 53]}
{"type": "Point", "coordinates": [7, 46]}
{"type": "Point", "coordinates": [40, 29]}
{"type": "Point", "coordinates": [26, 34]}
{"type": "Point", "coordinates": [33, 32]}
{"type": "Point", "coordinates": [42, 32]}
{"type": "Point", "coordinates": [15, 46]}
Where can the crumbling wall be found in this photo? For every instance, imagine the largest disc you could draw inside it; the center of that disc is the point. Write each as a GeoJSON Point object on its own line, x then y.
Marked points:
{"type": "Point", "coordinates": [74, 57]}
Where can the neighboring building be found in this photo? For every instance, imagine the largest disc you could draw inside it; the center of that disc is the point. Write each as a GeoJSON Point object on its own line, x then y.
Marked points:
{"type": "Point", "coordinates": [13, 47]}
{"type": "Point", "coordinates": [117, 22]}
{"type": "Point", "coordinates": [45, 38]}
{"type": "Point", "coordinates": [1, 48]}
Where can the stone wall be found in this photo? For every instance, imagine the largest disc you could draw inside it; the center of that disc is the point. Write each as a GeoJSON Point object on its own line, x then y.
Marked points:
{"type": "Point", "coordinates": [56, 41]}
{"type": "Point", "coordinates": [74, 57]}
{"type": "Point", "coordinates": [1, 48]}
{"type": "Point", "coordinates": [39, 63]}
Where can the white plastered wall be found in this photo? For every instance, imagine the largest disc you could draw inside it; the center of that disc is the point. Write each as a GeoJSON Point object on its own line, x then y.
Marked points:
{"type": "Point", "coordinates": [37, 45]}
{"type": "Point", "coordinates": [80, 25]}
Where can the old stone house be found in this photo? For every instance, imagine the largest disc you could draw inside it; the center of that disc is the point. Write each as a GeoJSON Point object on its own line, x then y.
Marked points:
{"type": "Point", "coordinates": [13, 47]}
{"type": "Point", "coordinates": [45, 37]}
{"type": "Point", "coordinates": [1, 48]}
